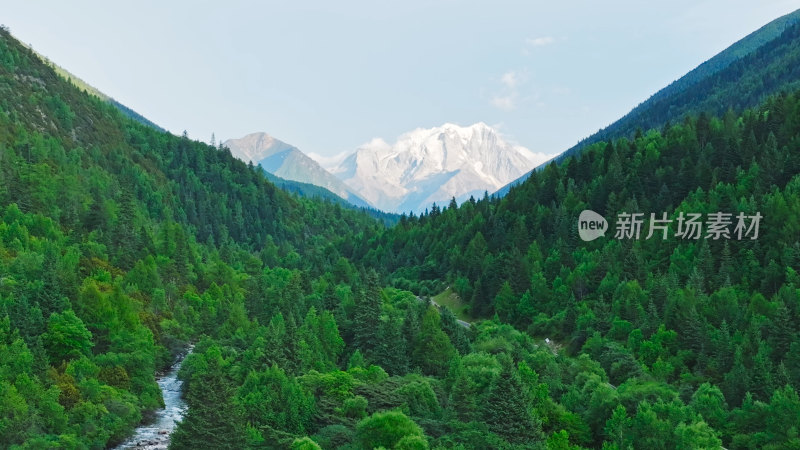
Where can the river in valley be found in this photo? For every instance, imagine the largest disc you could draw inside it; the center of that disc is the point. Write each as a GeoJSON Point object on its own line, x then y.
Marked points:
{"type": "Point", "coordinates": [155, 435]}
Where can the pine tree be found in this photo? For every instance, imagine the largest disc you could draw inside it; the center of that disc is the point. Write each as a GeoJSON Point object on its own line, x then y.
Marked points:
{"type": "Point", "coordinates": [212, 420]}
{"type": "Point", "coordinates": [332, 342]}
{"type": "Point", "coordinates": [433, 350]}
{"type": "Point", "coordinates": [463, 399]}
{"type": "Point", "coordinates": [727, 272]}
{"type": "Point", "coordinates": [617, 428]}
{"type": "Point", "coordinates": [792, 362]}
{"type": "Point", "coordinates": [723, 353]}
{"type": "Point", "coordinates": [329, 299]}
{"type": "Point", "coordinates": [271, 398]}
{"type": "Point", "coordinates": [367, 317]}
{"type": "Point", "coordinates": [290, 349]}
{"type": "Point", "coordinates": [391, 352]}
{"type": "Point", "coordinates": [454, 330]}
{"type": "Point", "coordinates": [310, 353]}
{"type": "Point", "coordinates": [692, 330]}
{"type": "Point", "coordinates": [410, 331]}
{"type": "Point", "coordinates": [782, 377]}
{"type": "Point", "coordinates": [737, 381]}
{"type": "Point", "coordinates": [275, 346]}
{"type": "Point", "coordinates": [508, 412]}
{"type": "Point", "coordinates": [506, 303]}
{"type": "Point", "coordinates": [783, 333]}
{"type": "Point", "coordinates": [124, 233]}
{"type": "Point", "coordinates": [761, 381]}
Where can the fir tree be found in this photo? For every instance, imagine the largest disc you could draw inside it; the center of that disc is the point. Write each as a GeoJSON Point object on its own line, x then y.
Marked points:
{"type": "Point", "coordinates": [212, 420]}
{"type": "Point", "coordinates": [508, 412]}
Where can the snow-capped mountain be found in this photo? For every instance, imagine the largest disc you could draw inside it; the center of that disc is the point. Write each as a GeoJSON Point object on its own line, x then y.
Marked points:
{"type": "Point", "coordinates": [434, 165]}
{"type": "Point", "coordinates": [287, 162]}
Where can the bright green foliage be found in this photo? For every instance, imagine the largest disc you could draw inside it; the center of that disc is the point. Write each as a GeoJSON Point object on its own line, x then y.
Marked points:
{"type": "Point", "coordinates": [354, 407]}
{"type": "Point", "coordinates": [709, 402]}
{"type": "Point", "coordinates": [305, 444]}
{"type": "Point", "coordinates": [617, 429]}
{"type": "Point", "coordinates": [411, 442]}
{"type": "Point", "coordinates": [696, 435]}
{"type": "Point", "coordinates": [356, 360]}
{"type": "Point", "coordinates": [559, 441]}
{"type": "Point", "coordinates": [434, 349]}
{"type": "Point", "coordinates": [270, 398]}
{"type": "Point", "coordinates": [121, 244]}
{"type": "Point", "coordinates": [388, 429]}
{"type": "Point", "coordinates": [419, 398]}
{"type": "Point", "coordinates": [319, 345]}
{"type": "Point", "coordinates": [66, 337]}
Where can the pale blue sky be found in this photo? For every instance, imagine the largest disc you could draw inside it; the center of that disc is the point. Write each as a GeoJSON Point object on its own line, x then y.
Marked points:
{"type": "Point", "coordinates": [328, 76]}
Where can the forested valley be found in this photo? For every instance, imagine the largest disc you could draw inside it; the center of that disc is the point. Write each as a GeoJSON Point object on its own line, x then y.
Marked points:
{"type": "Point", "coordinates": [312, 323]}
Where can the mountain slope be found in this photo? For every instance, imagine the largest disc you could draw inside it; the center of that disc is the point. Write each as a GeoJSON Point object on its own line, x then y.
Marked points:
{"type": "Point", "coordinates": [119, 244]}
{"type": "Point", "coordinates": [80, 84]}
{"type": "Point", "coordinates": [671, 320]}
{"type": "Point", "coordinates": [741, 76]}
{"type": "Point", "coordinates": [433, 165]}
{"type": "Point", "coordinates": [289, 163]}
{"type": "Point", "coordinates": [312, 191]}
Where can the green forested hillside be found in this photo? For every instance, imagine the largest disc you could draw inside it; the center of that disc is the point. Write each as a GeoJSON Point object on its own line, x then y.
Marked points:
{"type": "Point", "coordinates": [671, 319]}
{"type": "Point", "coordinates": [739, 49]}
{"type": "Point", "coordinates": [84, 86]}
{"type": "Point", "coordinates": [742, 76]}
{"type": "Point", "coordinates": [119, 245]}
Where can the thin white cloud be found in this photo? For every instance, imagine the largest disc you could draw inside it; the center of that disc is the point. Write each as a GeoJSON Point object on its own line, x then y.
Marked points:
{"type": "Point", "coordinates": [505, 102]}
{"type": "Point", "coordinates": [540, 41]}
{"type": "Point", "coordinates": [507, 96]}
{"type": "Point", "coordinates": [510, 79]}
{"type": "Point", "coordinates": [329, 162]}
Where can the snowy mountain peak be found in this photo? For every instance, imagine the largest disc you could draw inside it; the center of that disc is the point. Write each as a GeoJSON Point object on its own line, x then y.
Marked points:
{"type": "Point", "coordinates": [256, 147]}
{"type": "Point", "coordinates": [287, 162]}
{"type": "Point", "coordinates": [430, 165]}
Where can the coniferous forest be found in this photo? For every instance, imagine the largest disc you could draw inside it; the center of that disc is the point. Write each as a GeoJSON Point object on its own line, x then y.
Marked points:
{"type": "Point", "coordinates": [314, 325]}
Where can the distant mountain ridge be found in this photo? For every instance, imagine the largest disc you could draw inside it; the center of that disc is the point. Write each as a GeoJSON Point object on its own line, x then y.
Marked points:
{"type": "Point", "coordinates": [282, 159]}
{"type": "Point", "coordinates": [761, 64]}
{"type": "Point", "coordinates": [309, 190]}
{"type": "Point", "coordinates": [434, 165]}
{"type": "Point", "coordinates": [289, 163]}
